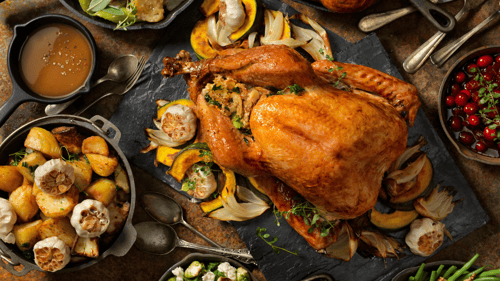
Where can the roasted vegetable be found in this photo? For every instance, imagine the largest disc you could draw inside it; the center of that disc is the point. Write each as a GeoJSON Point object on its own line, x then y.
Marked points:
{"type": "Point", "coordinates": [191, 154]}
{"type": "Point", "coordinates": [103, 190]}
{"type": "Point", "coordinates": [200, 41]}
{"type": "Point", "coordinates": [254, 14]}
{"type": "Point", "coordinates": [102, 165]}
{"type": "Point", "coordinates": [118, 213]}
{"type": "Point", "coordinates": [27, 234]}
{"type": "Point", "coordinates": [86, 247]}
{"type": "Point", "coordinates": [199, 182]}
{"type": "Point", "coordinates": [90, 218]}
{"type": "Point", "coordinates": [121, 179]}
{"type": "Point", "coordinates": [83, 173]}
{"type": "Point", "coordinates": [69, 138]}
{"type": "Point", "coordinates": [59, 227]}
{"type": "Point", "coordinates": [55, 176]}
{"type": "Point", "coordinates": [24, 203]}
{"type": "Point", "coordinates": [29, 164]}
{"type": "Point", "coordinates": [51, 254]}
{"type": "Point", "coordinates": [392, 221]}
{"type": "Point", "coordinates": [8, 218]}
{"type": "Point", "coordinates": [44, 141]}
{"type": "Point", "coordinates": [438, 204]}
{"type": "Point", "coordinates": [95, 145]}
{"type": "Point", "coordinates": [426, 236]}
{"type": "Point", "coordinates": [10, 178]}
{"type": "Point", "coordinates": [54, 206]}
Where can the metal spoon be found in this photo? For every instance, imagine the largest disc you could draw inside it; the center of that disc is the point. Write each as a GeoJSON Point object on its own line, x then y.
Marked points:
{"type": "Point", "coordinates": [119, 70]}
{"type": "Point", "coordinates": [166, 210]}
{"type": "Point", "coordinates": [375, 21]}
{"type": "Point", "coordinates": [161, 239]}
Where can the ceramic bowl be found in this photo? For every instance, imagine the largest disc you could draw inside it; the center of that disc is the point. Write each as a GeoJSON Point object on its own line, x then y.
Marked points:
{"type": "Point", "coordinates": [444, 110]}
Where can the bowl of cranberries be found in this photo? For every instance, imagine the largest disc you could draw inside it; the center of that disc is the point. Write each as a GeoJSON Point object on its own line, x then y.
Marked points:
{"type": "Point", "coordinates": [469, 106]}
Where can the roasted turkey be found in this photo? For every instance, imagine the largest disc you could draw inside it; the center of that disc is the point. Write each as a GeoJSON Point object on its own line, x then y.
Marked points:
{"type": "Point", "coordinates": [347, 6]}
{"type": "Point", "coordinates": [331, 146]}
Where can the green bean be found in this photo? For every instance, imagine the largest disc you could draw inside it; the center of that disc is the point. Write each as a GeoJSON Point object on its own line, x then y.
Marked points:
{"type": "Point", "coordinates": [468, 275]}
{"type": "Point", "coordinates": [424, 276]}
{"type": "Point", "coordinates": [438, 272]}
{"type": "Point", "coordinates": [466, 266]}
{"type": "Point", "coordinates": [420, 272]}
{"type": "Point", "coordinates": [411, 278]}
{"type": "Point", "coordinates": [449, 272]}
{"type": "Point", "coordinates": [488, 278]}
{"type": "Point", "coordinates": [433, 276]}
{"type": "Point", "coordinates": [493, 272]}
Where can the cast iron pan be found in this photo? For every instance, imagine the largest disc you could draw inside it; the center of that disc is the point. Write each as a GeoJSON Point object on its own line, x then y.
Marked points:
{"type": "Point", "coordinates": [20, 92]}
{"type": "Point", "coordinates": [14, 142]}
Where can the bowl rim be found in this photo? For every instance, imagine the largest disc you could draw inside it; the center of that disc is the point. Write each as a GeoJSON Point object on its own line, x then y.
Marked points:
{"type": "Point", "coordinates": [200, 256]}
{"type": "Point", "coordinates": [462, 149]}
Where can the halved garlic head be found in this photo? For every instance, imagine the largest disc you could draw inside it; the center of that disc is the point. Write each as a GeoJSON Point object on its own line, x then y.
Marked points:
{"type": "Point", "coordinates": [51, 254]}
{"type": "Point", "coordinates": [179, 123]}
{"type": "Point", "coordinates": [8, 218]}
{"type": "Point", "coordinates": [55, 176]}
{"type": "Point", "coordinates": [425, 236]}
{"type": "Point", "coordinates": [90, 218]}
{"type": "Point", "coordinates": [200, 181]}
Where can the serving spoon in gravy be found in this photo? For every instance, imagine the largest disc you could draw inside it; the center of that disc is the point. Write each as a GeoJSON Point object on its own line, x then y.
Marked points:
{"type": "Point", "coordinates": [119, 70]}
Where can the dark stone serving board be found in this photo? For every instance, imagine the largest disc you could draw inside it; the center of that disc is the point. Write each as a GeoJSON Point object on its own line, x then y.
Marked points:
{"type": "Point", "coordinates": [138, 108]}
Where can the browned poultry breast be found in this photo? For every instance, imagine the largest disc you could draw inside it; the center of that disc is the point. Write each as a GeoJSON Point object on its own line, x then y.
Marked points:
{"type": "Point", "coordinates": [347, 6]}
{"type": "Point", "coordinates": [330, 146]}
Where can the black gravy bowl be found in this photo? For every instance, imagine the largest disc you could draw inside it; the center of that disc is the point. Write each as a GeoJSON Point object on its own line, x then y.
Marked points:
{"type": "Point", "coordinates": [20, 92]}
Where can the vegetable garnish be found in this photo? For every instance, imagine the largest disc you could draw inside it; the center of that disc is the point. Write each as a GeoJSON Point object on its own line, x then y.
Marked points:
{"type": "Point", "coordinates": [261, 233]}
{"type": "Point", "coordinates": [122, 16]}
{"type": "Point", "coordinates": [488, 96]}
{"type": "Point", "coordinates": [71, 156]}
{"type": "Point", "coordinates": [18, 156]}
{"type": "Point", "coordinates": [292, 89]}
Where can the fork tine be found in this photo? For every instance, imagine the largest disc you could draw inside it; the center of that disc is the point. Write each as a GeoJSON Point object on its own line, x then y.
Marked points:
{"type": "Point", "coordinates": [137, 74]}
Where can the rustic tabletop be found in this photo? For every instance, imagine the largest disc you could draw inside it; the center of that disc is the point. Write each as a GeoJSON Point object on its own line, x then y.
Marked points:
{"type": "Point", "coordinates": [399, 38]}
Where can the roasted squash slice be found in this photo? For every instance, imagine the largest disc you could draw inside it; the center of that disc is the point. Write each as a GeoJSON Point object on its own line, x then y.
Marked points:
{"type": "Point", "coordinates": [187, 157]}
{"type": "Point", "coordinates": [200, 41]}
{"type": "Point", "coordinates": [254, 17]}
{"type": "Point", "coordinates": [229, 188]}
{"type": "Point", "coordinates": [422, 188]}
{"type": "Point", "coordinates": [161, 109]}
{"type": "Point", "coordinates": [166, 155]}
{"type": "Point", "coordinates": [209, 7]}
{"type": "Point", "coordinates": [44, 141]}
{"type": "Point", "coordinates": [392, 221]}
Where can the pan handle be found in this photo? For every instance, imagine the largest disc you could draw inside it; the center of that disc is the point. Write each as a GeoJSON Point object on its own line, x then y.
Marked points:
{"type": "Point", "coordinates": [105, 128]}
{"type": "Point", "coordinates": [16, 98]}
{"type": "Point", "coordinates": [427, 9]}
{"type": "Point", "coordinates": [8, 264]}
{"type": "Point", "coordinates": [124, 242]}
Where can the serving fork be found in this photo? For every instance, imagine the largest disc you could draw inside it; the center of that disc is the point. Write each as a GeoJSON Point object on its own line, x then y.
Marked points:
{"type": "Point", "coordinates": [441, 56]}
{"type": "Point", "coordinates": [375, 21]}
{"type": "Point", "coordinates": [123, 88]}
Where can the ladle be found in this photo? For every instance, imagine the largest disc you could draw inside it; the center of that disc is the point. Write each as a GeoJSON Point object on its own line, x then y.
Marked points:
{"type": "Point", "coordinates": [119, 70]}
{"type": "Point", "coordinates": [161, 239]}
{"type": "Point", "coordinates": [166, 210]}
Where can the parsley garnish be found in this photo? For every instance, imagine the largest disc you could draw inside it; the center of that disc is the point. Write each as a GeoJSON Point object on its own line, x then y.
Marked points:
{"type": "Point", "coordinates": [211, 101]}
{"type": "Point", "coordinates": [18, 156]}
{"type": "Point", "coordinates": [25, 245]}
{"type": "Point", "coordinates": [28, 254]}
{"type": "Point", "coordinates": [204, 169]}
{"type": "Point", "coordinates": [261, 232]}
{"type": "Point", "coordinates": [71, 156]}
{"type": "Point", "coordinates": [237, 123]}
{"type": "Point", "coordinates": [188, 185]}
{"type": "Point", "coordinates": [236, 90]}
{"type": "Point", "coordinates": [216, 87]}
{"type": "Point", "coordinates": [294, 89]}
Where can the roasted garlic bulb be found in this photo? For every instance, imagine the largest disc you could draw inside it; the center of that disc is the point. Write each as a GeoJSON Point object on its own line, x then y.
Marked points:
{"type": "Point", "coordinates": [90, 218]}
{"type": "Point", "coordinates": [51, 254]}
{"type": "Point", "coordinates": [426, 236]}
{"type": "Point", "coordinates": [55, 177]}
{"type": "Point", "coordinates": [176, 127]}
{"type": "Point", "coordinates": [200, 181]}
{"type": "Point", "coordinates": [8, 218]}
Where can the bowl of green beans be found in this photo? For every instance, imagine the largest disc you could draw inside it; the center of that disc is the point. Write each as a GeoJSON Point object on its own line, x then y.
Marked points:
{"type": "Point", "coordinates": [449, 271]}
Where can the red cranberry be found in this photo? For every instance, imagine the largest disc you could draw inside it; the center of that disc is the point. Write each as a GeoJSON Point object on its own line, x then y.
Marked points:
{"type": "Point", "coordinates": [467, 92]}
{"type": "Point", "coordinates": [450, 101]}
{"type": "Point", "coordinates": [460, 77]}
{"type": "Point", "coordinates": [488, 76]}
{"type": "Point", "coordinates": [472, 85]}
{"type": "Point", "coordinates": [455, 89]}
{"type": "Point", "coordinates": [461, 99]}
{"type": "Point", "coordinates": [484, 61]}
{"type": "Point", "coordinates": [475, 97]}
{"type": "Point", "coordinates": [481, 146]}
{"type": "Point", "coordinates": [472, 68]}
{"type": "Point", "coordinates": [490, 143]}
{"type": "Point", "coordinates": [474, 120]}
{"type": "Point", "coordinates": [466, 138]}
{"type": "Point", "coordinates": [455, 123]}
{"type": "Point", "coordinates": [471, 108]}
{"type": "Point", "coordinates": [458, 111]}
{"type": "Point", "coordinates": [489, 134]}
{"type": "Point", "coordinates": [493, 113]}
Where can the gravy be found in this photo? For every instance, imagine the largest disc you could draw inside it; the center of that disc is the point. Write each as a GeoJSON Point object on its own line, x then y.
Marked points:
{"type": "Point", "coordinates": [56, 60]}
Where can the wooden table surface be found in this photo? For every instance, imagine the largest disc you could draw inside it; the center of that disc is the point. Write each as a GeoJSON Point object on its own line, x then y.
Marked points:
{"type": "Point", "coordinates": [399, 38]}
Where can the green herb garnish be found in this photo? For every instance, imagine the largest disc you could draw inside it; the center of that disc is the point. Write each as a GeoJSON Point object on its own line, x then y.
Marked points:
{"type": "Point", "coordinates": [188, 185]}
{"type": "Point", "coordinates": [18, 157]}
{"type": "Point", "coordinates": [488, 96]}
{"type": "Point", "coordinates": [237, 123]}
{"type": "Point", "coordinates": [261, 232]}
{"type": "Point", "coordinates": [211, 101]}
{"type": "Point", "coordinates": [71, 156]}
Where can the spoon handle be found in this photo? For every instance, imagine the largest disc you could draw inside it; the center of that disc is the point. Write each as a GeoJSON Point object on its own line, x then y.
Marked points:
{"type": "Point", "coordinates": [420, 56]}
{"type": "Point", "coordinates": [441, 56]}
{"type": "Point", "coordinates": [241, 255]}
{"type": "Point", "coordinates": [53, 109]}
{"type": "Point", "coordinates": [210, 241]}
{"type": "Point", "coordinates": [375, 21]}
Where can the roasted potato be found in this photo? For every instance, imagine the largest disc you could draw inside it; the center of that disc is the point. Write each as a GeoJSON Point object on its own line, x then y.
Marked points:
{"type": "Point", "coordinates": [60, 227]}
{"type": "Point", "coordinates": [118, 213]}
{"type": "Point", "coordinates": [102, 165]}
{"type": "Point", "coordinates": [27, 234]}
{"type": "Point", "coordinates": [103, 190]}
{"type": "Point", "coordinates": [24, 203]}
{"type": "Point", "coordinates": [95, 145]}
{"type": "Point", "coordinates": [69, 138]}
{"type": "Point", "coordinates": [121, 179]}
{"type": "Point", "coordinates": [54, 206]}
{"type": "Point", "coordinates": [29, 163]}
{"type": "Point", "coordinates": [10, 178]}
{"type": "Point", "coordinates": [44, 141]}
{"type": "Point", "coordinates": [85, 246]}
{"type": "Point", "coordinates": [83, 173]}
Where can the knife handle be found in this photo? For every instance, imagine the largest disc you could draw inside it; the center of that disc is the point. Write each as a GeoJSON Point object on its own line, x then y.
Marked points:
{"type": "Point", "coordinates": [375, 21]}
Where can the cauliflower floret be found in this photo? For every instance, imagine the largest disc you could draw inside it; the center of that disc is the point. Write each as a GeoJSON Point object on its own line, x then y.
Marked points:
{"type": "Point", "coordinates": [228, 270]}
{"type": "Point", "coordinates": [179, 273]}
{"type": "Point", "coordinates": [209, 276]}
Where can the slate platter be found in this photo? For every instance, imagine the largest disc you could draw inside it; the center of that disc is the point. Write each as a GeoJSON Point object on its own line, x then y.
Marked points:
{"type": "Point", "coordinates": [138, 108]}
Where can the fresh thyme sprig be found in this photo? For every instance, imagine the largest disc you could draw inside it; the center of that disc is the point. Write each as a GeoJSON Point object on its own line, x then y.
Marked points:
{"type": "Point", "coordinates": [18, 157]}
{"type": "Point", "coordinates": [336, 68]}
{"type": "Point", "coordinates": [488, 97]}
{"type": "Point", "coordinates": [261, 232]}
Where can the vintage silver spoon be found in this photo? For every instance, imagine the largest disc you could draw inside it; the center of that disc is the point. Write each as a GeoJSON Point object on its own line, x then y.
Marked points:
{"type": "Point", "coordinates": [119, 70]}
{"type": "Point", "coordinates": [166, 210]}
{"type": "Point", "coordinates": [161, 239]}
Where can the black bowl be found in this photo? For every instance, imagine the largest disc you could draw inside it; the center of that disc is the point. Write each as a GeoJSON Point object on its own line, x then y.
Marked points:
{"type": "Point", "coordinates": [443, 109]}
{"type": "Point", "coordinates": [75, 8]}
{"type": "Point", "coordinates": [205, 258]}
{"type": "Point", "coordinates": [20, 92]}
{"type": "Point", "coordinates": [405, 274]}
